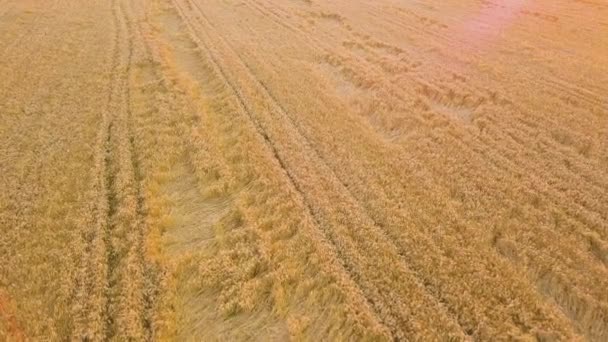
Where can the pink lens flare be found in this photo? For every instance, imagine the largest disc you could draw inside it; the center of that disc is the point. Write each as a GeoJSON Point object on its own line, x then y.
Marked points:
{"type": "Point", "coordinates": [489, 23]}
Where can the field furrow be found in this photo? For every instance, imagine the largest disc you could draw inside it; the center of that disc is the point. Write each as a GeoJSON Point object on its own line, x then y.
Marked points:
{"type": "Point", "coordinates": [303, 170]}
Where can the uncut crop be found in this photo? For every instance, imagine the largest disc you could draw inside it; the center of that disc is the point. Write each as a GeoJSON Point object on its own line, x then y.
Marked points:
{"type": "Point", "coordinates": [303, 170]}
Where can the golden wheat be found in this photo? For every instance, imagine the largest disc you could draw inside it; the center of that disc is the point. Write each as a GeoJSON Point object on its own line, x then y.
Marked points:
{"type": "Point", "coordinates": [303, 170]}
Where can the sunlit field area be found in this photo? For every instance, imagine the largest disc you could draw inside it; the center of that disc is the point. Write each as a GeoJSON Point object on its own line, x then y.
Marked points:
{"type": "Point", "coordinates": [305, 170]}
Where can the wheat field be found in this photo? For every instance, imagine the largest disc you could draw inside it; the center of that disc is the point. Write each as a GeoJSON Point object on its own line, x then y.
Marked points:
{"type": "Point", "coordinates": [306, 170]}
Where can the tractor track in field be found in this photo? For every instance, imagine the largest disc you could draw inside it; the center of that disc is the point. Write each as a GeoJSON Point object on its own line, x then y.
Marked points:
{"type": "Point", "coordinates": [377, 302]}
{"type": "Point", "coordinates": [303, 170]}
{"type": "Point", "coordinates": [120, 233]}
{"type": "Point", "coordinates": [267, 141]}
{"type": "Point", "coordinates": [264, 89]}
{"type": "Point", "coordinates": [429, 288]}
{"type": "Point", "coordinates": [508, 166]}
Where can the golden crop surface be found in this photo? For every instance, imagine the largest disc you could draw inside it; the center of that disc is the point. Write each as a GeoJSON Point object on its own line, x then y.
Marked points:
{"type": "Point", "coordinates": [201, 170]}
